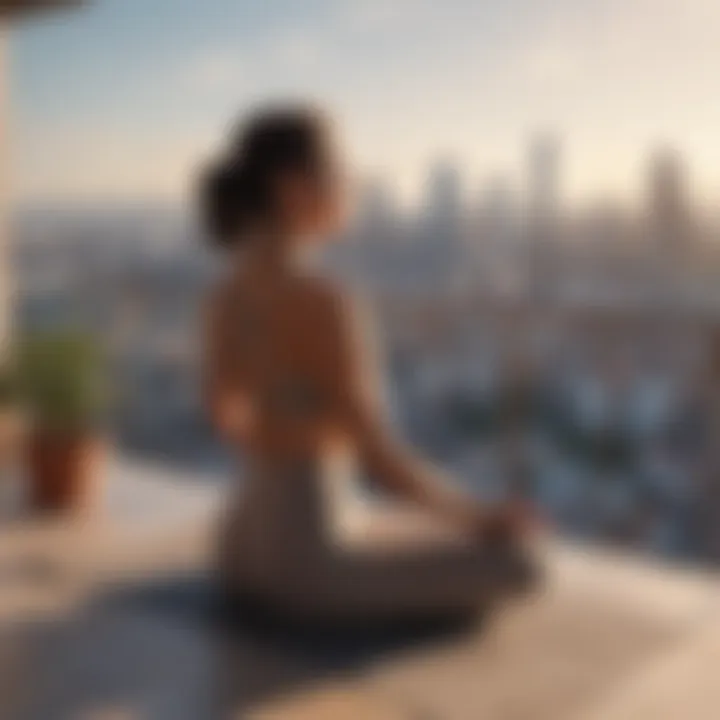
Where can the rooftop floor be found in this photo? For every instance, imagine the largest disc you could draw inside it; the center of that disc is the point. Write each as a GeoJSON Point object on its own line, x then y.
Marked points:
{"type": "Point", "coordinates": [113, 619]}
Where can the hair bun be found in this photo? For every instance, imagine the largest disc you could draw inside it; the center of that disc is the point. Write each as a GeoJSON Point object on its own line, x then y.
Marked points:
{"type": "Point", "coordinates": [239, 191]}
{"type": "Point", "coordinates": [221, 207]}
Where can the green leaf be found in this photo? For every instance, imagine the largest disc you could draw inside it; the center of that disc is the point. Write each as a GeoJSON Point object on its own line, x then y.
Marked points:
{"type": "Point", "coordinates": [62, 379]}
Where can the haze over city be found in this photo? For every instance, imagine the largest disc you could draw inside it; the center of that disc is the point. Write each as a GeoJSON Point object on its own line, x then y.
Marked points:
{"type": "Point", "coordinates": [140, 96]}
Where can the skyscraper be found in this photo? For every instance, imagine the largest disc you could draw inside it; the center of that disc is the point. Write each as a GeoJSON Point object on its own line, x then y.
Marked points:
{"type": "Point", "coordinates": [544, 159]}
{"type": "Point", "coordinates": [374, 238]}
{"type": "Point", "coordinates": [669, 210]}
{"type": "Point", "coordinates": [443, 215]}
{"type": "Point", "coordinates": [443, 198]}
{"type": "Point", "coordinates": [543, 214]}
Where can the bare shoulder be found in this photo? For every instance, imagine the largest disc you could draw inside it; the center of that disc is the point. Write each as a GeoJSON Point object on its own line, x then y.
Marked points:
{"type": "Point", "coordinates": [338, 307]}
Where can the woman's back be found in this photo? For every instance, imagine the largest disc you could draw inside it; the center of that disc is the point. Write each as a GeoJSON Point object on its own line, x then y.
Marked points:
{"type": "Point", "coordinates": [275, 357]}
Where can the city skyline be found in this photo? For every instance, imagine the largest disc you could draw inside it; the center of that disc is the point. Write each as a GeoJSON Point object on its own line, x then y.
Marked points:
{"type": "Point", "coordinates": [125, 102]}
{"type": "Point", "coordinates": [534, 188]}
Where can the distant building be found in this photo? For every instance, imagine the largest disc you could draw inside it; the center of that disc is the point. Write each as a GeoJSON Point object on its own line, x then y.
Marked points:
{"type": "Point", "coordinates": [544, 159]}
{"type": "Point", "coordinates": [497, 255]}
{"type": "Point", "coordinates": [443, 216]}
{"type": "Point", "coordinates": [669, 207]}
{"type": "Point", "coordinates": [443, 198]}
{"type": "Point", "coordinates": [543, 214]}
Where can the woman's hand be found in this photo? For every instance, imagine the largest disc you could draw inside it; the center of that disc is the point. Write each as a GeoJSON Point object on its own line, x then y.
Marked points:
{"type": "Point", "coordinates": [507, 524]}
{"type": "Point", "coordinates": [505, 533]}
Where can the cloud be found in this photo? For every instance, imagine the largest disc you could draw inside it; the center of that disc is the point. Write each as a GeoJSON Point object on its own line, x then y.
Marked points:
{"type": "Point", "coordinates": [285, 53]}
{"type": "Point", "coordinates": [374, 15]}
{"type": "Point", "coordinates": [213, 71]}
{"type": "Point", "coordinates": [97, 161]}
{"type": "Point", "coordinates": [294, 47]}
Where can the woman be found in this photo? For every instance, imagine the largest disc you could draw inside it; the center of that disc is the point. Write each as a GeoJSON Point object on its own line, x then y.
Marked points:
{"type": "Point", "coordinates": [292, 386]}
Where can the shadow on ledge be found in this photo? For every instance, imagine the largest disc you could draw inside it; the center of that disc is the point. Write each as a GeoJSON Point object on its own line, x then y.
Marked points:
{"type": "Point", "coordinates": [168, 648]}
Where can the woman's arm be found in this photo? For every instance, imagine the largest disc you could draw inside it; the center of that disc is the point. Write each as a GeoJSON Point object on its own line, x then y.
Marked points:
{"type": "Point", "coordinates": [225, 401]}
{"type": "Point", "coordinates": [360, 401]}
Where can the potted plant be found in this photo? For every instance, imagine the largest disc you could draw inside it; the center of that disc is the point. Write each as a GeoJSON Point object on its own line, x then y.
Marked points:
{"type": "Point", "coordinates": [12, 436]}
{"type": "Point", "coordinates": [62, 382]}
{"type": "Point", "coordinates": [8, 413]}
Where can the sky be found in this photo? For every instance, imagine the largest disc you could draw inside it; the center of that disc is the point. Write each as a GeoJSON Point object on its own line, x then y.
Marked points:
{"type": "Point", "coordinates": [124, 99]}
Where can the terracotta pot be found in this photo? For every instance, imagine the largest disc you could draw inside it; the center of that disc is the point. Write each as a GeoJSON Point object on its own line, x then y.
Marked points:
{"type": "Point", "coordinates": [64, 471]}
{"type": "Point", "coordinates": [12, 435]}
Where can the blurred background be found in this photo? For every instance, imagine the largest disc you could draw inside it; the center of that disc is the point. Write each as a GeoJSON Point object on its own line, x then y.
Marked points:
{"type": "Point", "coordinates": [537, 223]}
{"type": "Point", "coordinates": [537, 195]}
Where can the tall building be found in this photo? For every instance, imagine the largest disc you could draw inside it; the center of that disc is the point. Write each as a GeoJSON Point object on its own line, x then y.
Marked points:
{"type": "Point", "coordinates": [443, 197]}
{"type": "Point", "coordinates": [544, 180]}
{"type": "Point", "coordinates": [543, 215]}
{"type": "Point", "coordinates": [669, 206]}
{"type": "Point", "coordinates": [441, 224]}
{"type": "Point", "coordinates": [375, 235]}
{"type": "Point", "coordinates": [12, 11]}
{"type": "Point", "coordinates": [496, 253]}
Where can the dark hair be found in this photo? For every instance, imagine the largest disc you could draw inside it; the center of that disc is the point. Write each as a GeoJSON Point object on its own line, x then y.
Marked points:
{"type": "Point", "coordinates": [238, 191]}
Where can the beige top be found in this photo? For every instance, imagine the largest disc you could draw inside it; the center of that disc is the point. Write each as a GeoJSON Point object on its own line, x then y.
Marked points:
{"type": "Point", "coordinates": [292, 383]}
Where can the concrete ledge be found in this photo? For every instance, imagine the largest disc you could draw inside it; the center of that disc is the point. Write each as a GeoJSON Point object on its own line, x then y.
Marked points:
{"type": "Point", "coordinates": [611, 638]}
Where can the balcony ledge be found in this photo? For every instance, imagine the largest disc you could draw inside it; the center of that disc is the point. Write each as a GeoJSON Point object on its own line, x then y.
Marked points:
{"type": "Point", "coordinates": [611, 637]}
